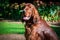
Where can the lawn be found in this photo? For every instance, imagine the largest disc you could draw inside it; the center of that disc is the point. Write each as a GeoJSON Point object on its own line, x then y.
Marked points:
{"type": "Point", "coordinates": [11, 27]}
{"type": "Point", "coordinates": [16, 27]}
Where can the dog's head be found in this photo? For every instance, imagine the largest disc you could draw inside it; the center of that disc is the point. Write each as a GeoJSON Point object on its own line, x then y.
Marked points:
{"type": "Point", "coordinates": [27, 12]}
{"type": "Point", "coordinates": [30, 13]}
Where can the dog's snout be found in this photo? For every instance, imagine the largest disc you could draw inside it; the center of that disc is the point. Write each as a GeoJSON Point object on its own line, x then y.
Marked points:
{"type": "Point", "coordinates": [22, 11]}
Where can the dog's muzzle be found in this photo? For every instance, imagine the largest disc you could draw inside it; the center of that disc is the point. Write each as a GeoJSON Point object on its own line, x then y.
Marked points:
{"type": "Point", "coordinates": [26, 18]}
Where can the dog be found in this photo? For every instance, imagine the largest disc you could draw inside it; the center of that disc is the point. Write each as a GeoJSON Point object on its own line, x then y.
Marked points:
{"type": "Point", "coordinates": [36, 28]}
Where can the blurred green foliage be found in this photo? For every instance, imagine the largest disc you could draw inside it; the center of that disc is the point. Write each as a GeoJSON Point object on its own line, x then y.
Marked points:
{"type": "Point", "coordinates": [49, 12]}
{"type": "Point", "coordinates": [10, 11]}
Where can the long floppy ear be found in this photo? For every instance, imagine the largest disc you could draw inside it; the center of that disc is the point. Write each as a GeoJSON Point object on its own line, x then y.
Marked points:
{"type": "Point", "coordinates": [35, 15]}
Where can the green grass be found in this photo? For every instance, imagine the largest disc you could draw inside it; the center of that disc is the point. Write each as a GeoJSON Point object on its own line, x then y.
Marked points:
{"type": "Point", "coordinates": [13, 27]}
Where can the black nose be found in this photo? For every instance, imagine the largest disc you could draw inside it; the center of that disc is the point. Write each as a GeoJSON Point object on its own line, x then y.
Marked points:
{"type": "Point", "coordinates": [23, 11]}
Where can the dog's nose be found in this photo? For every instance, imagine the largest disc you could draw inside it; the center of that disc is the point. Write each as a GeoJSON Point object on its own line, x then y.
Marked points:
{"type": "Point", "coordinates": [23, 11]}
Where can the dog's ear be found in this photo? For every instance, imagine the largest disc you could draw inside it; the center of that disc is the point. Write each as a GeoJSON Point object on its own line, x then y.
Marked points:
{"type": "Point", "coordinates": [35, 15]}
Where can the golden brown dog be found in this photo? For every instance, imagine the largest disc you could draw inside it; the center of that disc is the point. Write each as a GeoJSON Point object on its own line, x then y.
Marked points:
{"type": "Point", "coordinates": [35, 27]}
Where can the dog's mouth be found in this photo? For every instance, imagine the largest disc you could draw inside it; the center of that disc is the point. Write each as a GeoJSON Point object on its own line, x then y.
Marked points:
{"type": "Point", "coordinates": [26, 18]}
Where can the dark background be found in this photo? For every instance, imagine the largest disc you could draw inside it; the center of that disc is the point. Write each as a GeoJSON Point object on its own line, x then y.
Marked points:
{"type": "Point", "coordinates": [31, 1]}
